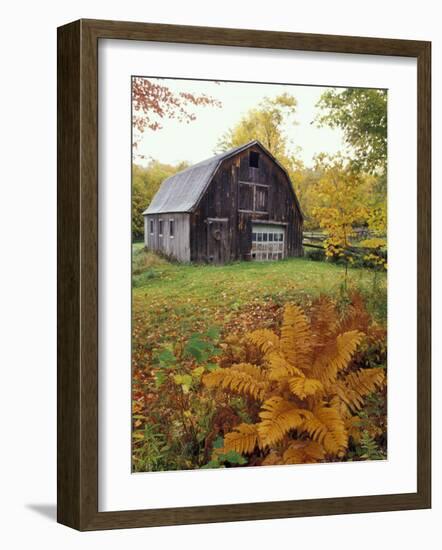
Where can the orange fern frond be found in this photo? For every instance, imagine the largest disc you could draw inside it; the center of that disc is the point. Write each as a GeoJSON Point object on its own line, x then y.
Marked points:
{"type": "Point", "coordinates": [279, 368]}
{"type": "Point", "coordinates": [357, 316]}
{"type": "Point", "coordinates": [348, 398]}
{"type": "Point", "coordinates": [347, 344]}
{"type": "Point", "coordinates": [265, 339]}
{"type": "Point", "coordinates": [296, 341]}
{"type": "Point", "coordinates": [324, 322]}
{"type": "Point", "coordinates": [326, 426]}
{"type": "Point", "coordinates": [278, 416]}
{"type": "Point", "coordinates": [243, 439]}
{"type": "Point", "coordinates": [303, 387]}
{"type": "Point", "coordinates": [357, 385]}
{"type": "Point", "coordinates": [243, 379]}
{"type": "Point", "coordinates": [336, 356]}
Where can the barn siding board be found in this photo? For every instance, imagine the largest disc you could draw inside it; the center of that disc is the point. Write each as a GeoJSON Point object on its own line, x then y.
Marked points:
{"type": "Point", "coordinates": [221, 200]}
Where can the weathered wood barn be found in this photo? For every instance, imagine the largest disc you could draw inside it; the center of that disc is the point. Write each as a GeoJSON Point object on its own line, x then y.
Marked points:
{"type": "Point", "coordinates": [239, 205]}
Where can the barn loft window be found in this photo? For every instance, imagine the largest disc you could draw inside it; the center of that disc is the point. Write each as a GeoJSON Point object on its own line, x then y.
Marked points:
{"type": "Point", "coordinates": [151, 227]}
{"type": "Point", "coordinates": [253, 197]}
{"type": "Point", "coordinates": [160, 228]}
{"type": "Point", "coordinates": [261, 194]}
{"type": "Point", "coordinates": [253, 159]}
{"type": "Point", "coordinates": [246, 196]}
{"type": "Point", "coordinates": [171, 228]}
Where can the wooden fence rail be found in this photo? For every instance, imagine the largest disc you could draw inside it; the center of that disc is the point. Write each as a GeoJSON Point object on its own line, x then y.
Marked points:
{"type": "Point", "coordinates": [314, 239]}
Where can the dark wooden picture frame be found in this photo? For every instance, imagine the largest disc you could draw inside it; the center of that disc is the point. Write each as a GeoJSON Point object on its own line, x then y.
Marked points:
{"type": "Point", "coordinates": [77, 226]}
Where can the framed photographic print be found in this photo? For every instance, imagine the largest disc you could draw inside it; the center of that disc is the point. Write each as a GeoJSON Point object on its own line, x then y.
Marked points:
{"type": "Point", "coordinates": [243, 275]}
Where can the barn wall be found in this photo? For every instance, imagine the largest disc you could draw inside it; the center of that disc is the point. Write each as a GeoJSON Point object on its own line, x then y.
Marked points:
{"type": "Point", "coordinates": [221, 200]}
{"type": "Point", "coordinates": [177, 246]}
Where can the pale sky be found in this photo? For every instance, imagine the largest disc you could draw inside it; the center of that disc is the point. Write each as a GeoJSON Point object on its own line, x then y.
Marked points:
{"type": "Point", "coordinates": [197, 140]}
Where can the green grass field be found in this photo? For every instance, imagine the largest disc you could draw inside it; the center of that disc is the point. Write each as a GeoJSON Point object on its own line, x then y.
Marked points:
{"type": "Point", "coordinates": [171, 300]}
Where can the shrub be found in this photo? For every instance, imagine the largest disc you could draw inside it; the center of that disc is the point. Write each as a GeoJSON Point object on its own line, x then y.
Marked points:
{"type": "Point", "coordinates": [144, 260]}
{"type": "Point", "coordinates": [315, 254]}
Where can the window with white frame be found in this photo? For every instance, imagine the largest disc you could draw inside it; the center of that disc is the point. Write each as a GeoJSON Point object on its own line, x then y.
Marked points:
{"type": "Point", "coordinates": [267, 242]}
{"type": "Point", "coordinates": [160, 228]}
{"type": "Point", "coordinates": [152, 226]}
{"type": "Point", "coordinates": [171, 228]}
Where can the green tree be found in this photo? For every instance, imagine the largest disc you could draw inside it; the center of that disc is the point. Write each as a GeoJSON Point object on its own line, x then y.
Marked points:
{"type": "Point", "coordinates": [362, 115]}
{"type": "Point", "coordinates": [145, 183]}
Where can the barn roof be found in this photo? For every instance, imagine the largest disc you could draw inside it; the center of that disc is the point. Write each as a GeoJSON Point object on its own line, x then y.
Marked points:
{"type": "Point", "coordinates": [182, 191]}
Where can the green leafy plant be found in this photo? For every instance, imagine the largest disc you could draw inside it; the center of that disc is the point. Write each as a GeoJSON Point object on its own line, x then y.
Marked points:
{"type": "Point", "coordinates": [150, 447]}
{"type": "Point", "coordinates": [221, 459]}
{"type": "Point", "coordinates": [185, 413]}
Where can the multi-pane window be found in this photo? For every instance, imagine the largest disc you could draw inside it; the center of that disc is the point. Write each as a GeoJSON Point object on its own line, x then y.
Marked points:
{"type": "Point", "coordinates": [267, 242]}
{"type": "Point", "coordinates": [171, 228]}
{"type": "Point", "coordinates": [253, 197]}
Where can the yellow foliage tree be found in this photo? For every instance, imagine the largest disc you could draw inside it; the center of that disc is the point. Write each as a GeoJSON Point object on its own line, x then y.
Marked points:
{"type": "Point", "coordinates": [306, 387]}
{"type": "Point", "coordinates": [345, 199]}
{"type": "Point", "coordinates": [342, 201]}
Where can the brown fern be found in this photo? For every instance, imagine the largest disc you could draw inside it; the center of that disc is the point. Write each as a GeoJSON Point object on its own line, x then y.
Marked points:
{"type": "Point", "coordinates": [301, 452]}
{"type": "Point", "coordinates": [305, 385]}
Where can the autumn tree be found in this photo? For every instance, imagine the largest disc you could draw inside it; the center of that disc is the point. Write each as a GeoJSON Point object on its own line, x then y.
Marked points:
{"type": "Point", "coordinates": [341, 203]}
{"type": "Point", "coordinates": [304, 180]}
{"type": "Point", "coordinates": [265, 123]}
{"type": "Point", "coordinates": [344, 201]}
{"type": "Point", "coordinates": [361, 113]}
{"type": "Point", "coordinates": [153, 101]}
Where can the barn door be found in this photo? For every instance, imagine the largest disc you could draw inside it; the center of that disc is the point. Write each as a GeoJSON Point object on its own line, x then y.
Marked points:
{"type": "Point", "coordinates": [268, 242]}
{"type": "Point", "coordinates": [218, 249]}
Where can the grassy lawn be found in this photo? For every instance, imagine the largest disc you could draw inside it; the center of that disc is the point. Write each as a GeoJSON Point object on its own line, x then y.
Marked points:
{"type": "Point", "coordinates": [171, 301]}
